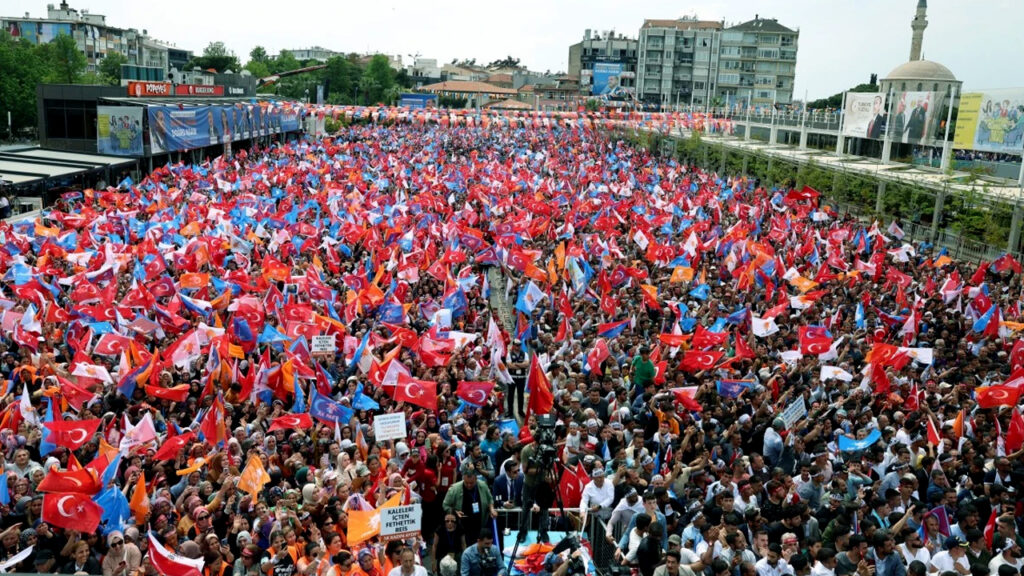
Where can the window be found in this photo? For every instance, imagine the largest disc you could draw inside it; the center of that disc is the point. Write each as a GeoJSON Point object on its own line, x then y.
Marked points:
{"type": "Point", "coordinates": [935, 87]}
{"type": "Point", "coordinates": [768, 53]}
{"type": "Point", "coordinates": [920, 86]}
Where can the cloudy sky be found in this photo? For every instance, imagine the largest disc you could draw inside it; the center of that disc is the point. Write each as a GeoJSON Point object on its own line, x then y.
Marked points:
{"type": "Point", "coordinates": [841, 41]}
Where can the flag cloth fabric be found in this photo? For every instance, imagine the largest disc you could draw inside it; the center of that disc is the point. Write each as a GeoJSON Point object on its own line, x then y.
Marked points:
{"type": "Point", "coordinates": [253, 477]}
{"type": "Point", "coordinates": [71, 434]}
{"type": "Point", "coordinates": [992, 396]}
{"type": "Point", "coordinates": [139, 503]}
{"type": "Point", "coordinates": [847, 444]}
{"type": "Point", "coordinates": [168, 563]}
{"type": "Point", "coordinates": [365, 524]}
{"type": "Point", "coordinates": [71, 511]}
{"type": "Point", "coordinates": [542, 399]}
{"type": "Point", "coordinates": [612, 329]}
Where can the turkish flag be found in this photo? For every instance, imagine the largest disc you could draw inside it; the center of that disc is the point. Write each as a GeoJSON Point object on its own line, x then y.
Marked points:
{"type": "Point", "coordinates": [162, 287]}
{"type": "Point", "coordinates": [74, 394]}
{"type": "Point", "coordinates": [992, 396]}
{"type": "Point", "coordinates": [674, 340]}
{"type": "Point", "coordinates": [743, 349]}
{"type": "Point", "coordinates": [81, 481]}
{"type": "Point", "coordinates": [934, 438]}
{"type": "Point", "coordinates": [597, 355]}
{"type": "Point", "coordinates": [704, 338]}
{"type": "Point", "coordinates": [173, 445]}
{"type": "Point", "coordinates": [175, 394]}
{"type": "Point", "coordinates": [570, 488]}
{"type": "Point", "coordinates": [1015, 432]}
{"type": "Point", "coordinates": [473, 392]}
{"type": "Point", "coordinates": [291, 422]}
{"type": "Point", "coordinates": [882, 354]}
{"type": "Point", "coordinates": [85, 292]}
{"type": "Point", "coordinates": [71, 434]}
{"type": "Point", "coordinates": [542, 399]}
{"type": "Point", "coordinates": [695, 360]}
{"type": "Point", "coordinates": [685, 398]}
{"type": "Point", "coordinates": [171, 564]}
{"type": "Point", "coordinates": [72, 512]}
{"type": "Point", "coordinates": [814, 340]}
{"type": "Point", "coordinates": [422, 393]}
{"type": "Point", "coordinates": [111, 344]}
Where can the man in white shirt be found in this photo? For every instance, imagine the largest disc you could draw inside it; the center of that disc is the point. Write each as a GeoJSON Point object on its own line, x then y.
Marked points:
{"type": "Point", "coordinates": [1007, 551]}
{"type": "Point", "coordinates": [825, 564]}
{"type": "Point", "coordinates": [952, 558]}
{"type": "Point", "coordinates": [773, 564]}
{"type": "Point", "coordinates": [913, 548]}
{"type": "Point", "coordinates": [598, 496]}
{"type": "Point", "coordinates": [623, 513]}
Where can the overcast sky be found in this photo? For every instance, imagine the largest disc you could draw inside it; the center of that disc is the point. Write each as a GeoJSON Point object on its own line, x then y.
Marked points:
{"type": "Point", "coordinates": [841, 41]}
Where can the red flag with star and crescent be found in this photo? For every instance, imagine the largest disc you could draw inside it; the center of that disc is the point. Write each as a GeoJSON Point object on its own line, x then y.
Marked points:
{"type": "Point", "coordinates": [422, 393]}
{"type": "Point", "coordinates": [542, 399]}
{"type": "Point", "coordinates": [71, 511]}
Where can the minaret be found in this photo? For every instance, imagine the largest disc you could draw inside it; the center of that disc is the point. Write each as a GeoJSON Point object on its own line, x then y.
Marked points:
{"type": "Point", "coordinates": [918, 24]}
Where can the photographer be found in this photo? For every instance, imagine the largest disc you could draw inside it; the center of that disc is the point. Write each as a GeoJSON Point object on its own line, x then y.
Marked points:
{"type": "Point", "coordinates": [484, 559]}
{"type": "Point", "coordinates": [539, 479]}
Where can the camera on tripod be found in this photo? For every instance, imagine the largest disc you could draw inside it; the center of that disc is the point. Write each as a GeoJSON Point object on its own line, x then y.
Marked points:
{"type": "Point", "coordinates": [488, 563]}
{"type": "Point", "coordinates": [547, 453]}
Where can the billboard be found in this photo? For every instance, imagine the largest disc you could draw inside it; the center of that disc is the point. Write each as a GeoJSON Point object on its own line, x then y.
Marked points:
{"type": "Point", "coordinates": [417, 100]}
{"type": "Point", "coordinates": [198, 90]}
{"type": "Point", "coordinates": [991, 121]}
{"type": "Point", "coordinates": [913, 117]}
{"type": "Point", "coordinates": [606, 77]}
{"type": "Point", "coordinates": [173, 128]}
{"type": "Point", "coordinates": [864, 115]}
{"type": "Point", "coordinates": [119, 130]}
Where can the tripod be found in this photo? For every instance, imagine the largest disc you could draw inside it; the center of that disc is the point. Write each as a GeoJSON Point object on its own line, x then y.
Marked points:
{"type": "Point", "coordinates": [549, 481]}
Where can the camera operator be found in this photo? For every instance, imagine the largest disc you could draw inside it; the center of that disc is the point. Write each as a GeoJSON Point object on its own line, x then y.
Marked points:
{"type": "Point", "coordinates": [539, 479]}
{"type": "Point", "coordinates": [484, 559]}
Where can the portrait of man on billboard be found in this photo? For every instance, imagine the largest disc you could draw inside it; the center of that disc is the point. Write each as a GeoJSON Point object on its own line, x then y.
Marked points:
{"type": "Point", "coordinates": [877, 123]}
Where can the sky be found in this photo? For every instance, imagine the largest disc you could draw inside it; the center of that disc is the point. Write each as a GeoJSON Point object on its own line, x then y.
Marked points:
{"type": "Point", "coordinates": [841, 42]}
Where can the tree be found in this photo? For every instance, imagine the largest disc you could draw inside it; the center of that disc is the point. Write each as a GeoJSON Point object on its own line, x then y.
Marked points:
{"type": "Point", "coordinates": [258, 69]}
{"type": "Point", "coordinates": [506, 62]}
{"type": "Point", "coordinates": [259, 54]}
{"type": "Point", "coordinates": [342, 77]}
{"type": "Point", "coordinates": [24, 65]}
{"type": "Point", "coordinates": [110, 68]}
{"type": "Point", "coordinates": [215, 56]}
{"type": "Point", "coordinates": [68, 61]}
{"type": "Point", "coordinates": [836, 100]}
{"type": "Point", "coordinates": [378, 78]}
{"type": "Point", "coordinates": [284, 62]}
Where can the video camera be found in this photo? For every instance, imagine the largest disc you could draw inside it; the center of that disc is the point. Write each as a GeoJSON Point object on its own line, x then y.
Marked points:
{"type": "Point", "coordinates": [488, 563]}
{"type": "Point", "coordinates": [547, 453]}
{"type": "Point", "coordinates": [575, 563]}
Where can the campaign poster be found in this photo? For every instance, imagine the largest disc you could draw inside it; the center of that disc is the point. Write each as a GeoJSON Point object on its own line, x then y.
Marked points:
{"type": "Point", "coordinates": [173, 128]}
{"type": "Point", "coordinates": [606, 77]}
{"type": "Point", "coordinates": [119, 130]}
{"type": "Point", "coordinates": [913, 117]}
{"type": "Point", "coordinates": [991, 121]}
{"type": "Point", "coordinates": [864, 115]}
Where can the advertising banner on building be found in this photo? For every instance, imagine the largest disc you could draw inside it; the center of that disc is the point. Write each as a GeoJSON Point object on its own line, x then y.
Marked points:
{"type": "Point", "coordinates": [173, 128]}
{"type": "Point", "coordinates": [198, 90]}
{"type": "Point", "coordinates": [864, 115]}
{"type": "Point", "coordinates": [606, 77]}
{"type": "Point", "coordinates": [119, 130]}
{"type": "Point", "coordinates": [913, 117]}
{"type": "Point", "coordinates": [991, 121]}
{"type": "Point", "coordinates": [139, 89]}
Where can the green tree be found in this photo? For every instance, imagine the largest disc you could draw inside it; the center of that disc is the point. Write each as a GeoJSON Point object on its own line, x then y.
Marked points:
{"type": "Point", "coordinates": [284, 62]}
{"type": "Point", "coordinates": [216, 56]}
{"type": "Point", "coordinates": [68, 61]}
{"type": "Point", "coordinates": [258, 69]}
{"type": "Point", "coordinates": [23, 65]}
{"type": "Point", "coordinates": [342, 76]}
{"type": "Point", "coordinates": [259, 54]}
{"type": "Point", "coordinates": [378, 78]}
{"type": "Point", "coordinates": [836, 100]}
{"type": "Point", "coordinates": [110, 68]}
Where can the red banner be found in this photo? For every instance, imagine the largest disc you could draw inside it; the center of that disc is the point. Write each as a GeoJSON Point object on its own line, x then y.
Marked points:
{"type": "Point", "coordinates": [149, 89]}
{"type": "Point", "coordinates": [198, 90]}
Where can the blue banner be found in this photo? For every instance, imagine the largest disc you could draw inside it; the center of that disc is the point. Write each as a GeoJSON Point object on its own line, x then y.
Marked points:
{"type": "Point", "coordinates": [606, 77]}
{"type": "Point", "coordinates": [172, 128]}
{"type": "Point", "coordinates": [850, 445]}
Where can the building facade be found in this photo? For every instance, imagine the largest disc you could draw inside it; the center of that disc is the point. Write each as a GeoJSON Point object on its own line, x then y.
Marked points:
{"type": "Point", "coordinates": [691, 62]}
{"type": "Point", "coordinates": [611, 53]}
{"type": "Point", "coordinates": [315, 53]}
{"type": "Point", "coordinates": [95, 38]}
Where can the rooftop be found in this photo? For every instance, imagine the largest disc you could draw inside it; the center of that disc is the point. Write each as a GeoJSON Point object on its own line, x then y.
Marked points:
{"type": "Point", "coordinates": [683, 24]}
{"type": "Point", "coordinates": [921, 70]}
{"type": "Point", "coordinates": [467, 87]}
{"type": "Point", "coordinates": [762, 25]}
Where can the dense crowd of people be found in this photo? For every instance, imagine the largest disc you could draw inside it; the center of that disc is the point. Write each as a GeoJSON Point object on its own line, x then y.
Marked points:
{"type": "Point", "coordinates": [734, 381]}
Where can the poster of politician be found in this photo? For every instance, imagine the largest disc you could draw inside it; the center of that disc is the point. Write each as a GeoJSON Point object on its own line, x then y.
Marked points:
{"type": "Point", "coordinates": [991, 121]}
{"type": "Point", "coordinates": [119, 130]}
{"type": "Point", "coordinates": [913, 117]}
{"type": "Point", "coordinates": [864, 115]}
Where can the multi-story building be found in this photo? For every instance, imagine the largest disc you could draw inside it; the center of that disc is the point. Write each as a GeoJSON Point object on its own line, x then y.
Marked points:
{"type": "Point", "coordinates": [757, 64]}
{"type": "Point", "coordinates": [315, 53]}
{"type": "Point", "coordinates": [678, 62]}
{"type": "Point", "coordinates": [95, 38]}
{"type": "Point", "coordinates": [613, 54]}
{"type": "Point", "coordinates": [691, 62]}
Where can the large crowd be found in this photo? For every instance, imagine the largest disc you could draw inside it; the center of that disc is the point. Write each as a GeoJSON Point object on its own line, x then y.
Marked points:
{"type": "Point", "coordinates": [738, 381]}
